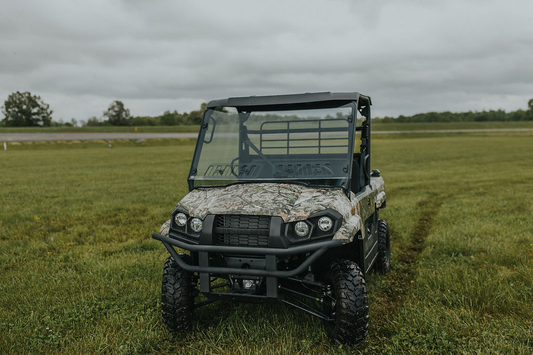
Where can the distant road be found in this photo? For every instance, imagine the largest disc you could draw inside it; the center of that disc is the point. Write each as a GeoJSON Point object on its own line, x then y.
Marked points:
{"type": "Point", "coordinates": [474, 130]}
{"type": "Point", "coordinates": [27, 137]}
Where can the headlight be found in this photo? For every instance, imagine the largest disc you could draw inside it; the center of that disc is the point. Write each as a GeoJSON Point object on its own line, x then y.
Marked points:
{"type": "Point", "coordinates": [301, 229]}
{"type": "Point", "coordinates": [196, 224]}
{"type": "Point", "coordinates": [180, 219]}
{"type": "Point", "coordinates": [325, 224]}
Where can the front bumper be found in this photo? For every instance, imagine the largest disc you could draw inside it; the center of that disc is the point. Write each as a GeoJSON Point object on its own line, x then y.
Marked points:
{"type": "Point", "coordinates": [317, 250]}
{"type": "Point", "coordinates": [271, 255]}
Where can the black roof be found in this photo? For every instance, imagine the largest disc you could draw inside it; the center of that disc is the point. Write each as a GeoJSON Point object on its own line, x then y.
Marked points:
{"type": "Point", "coordinates": [292, 101]}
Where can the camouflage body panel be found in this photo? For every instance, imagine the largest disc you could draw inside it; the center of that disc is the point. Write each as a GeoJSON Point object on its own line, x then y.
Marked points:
{"type": "Point", "coordinates": [289, 201]}
{"type": "Point", "coordinates": [165, 228]}
{"type": "Point", "coordinates": [380, 199]}
{"type": "Point", "coordinates": [366, 201]}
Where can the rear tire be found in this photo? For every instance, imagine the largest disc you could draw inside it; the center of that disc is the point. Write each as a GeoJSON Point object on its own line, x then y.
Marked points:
{"type": "Point", "coordinates": [177, 296]}
{"type": "Point", "coordinates": [347, 303]}
{"type": "Point", "coordinates": [383, 260]}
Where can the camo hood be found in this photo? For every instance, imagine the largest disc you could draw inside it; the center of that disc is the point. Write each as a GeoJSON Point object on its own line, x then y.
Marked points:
{"type": "Point", "coordinates": [288, 201]}
{"type": "Point", "coordinates": [291, 202]}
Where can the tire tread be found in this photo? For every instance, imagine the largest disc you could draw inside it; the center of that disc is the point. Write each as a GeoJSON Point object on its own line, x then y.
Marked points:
{"type": "Point", "coordinates": [383, 260]}
{"type": "Point", "coordinates": [176, 297]}
{"type": "Point", "coordinates": [349, 287]}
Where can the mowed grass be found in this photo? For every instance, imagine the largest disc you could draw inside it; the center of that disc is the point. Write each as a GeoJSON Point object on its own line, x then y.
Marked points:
{"type": "Point", "coordinates": [79, 272]}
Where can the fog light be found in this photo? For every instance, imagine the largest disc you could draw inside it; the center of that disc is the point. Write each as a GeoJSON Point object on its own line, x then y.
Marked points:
{"type": "Point", "coordinates": [325, 224]}
{"type": "Point", "coordinates": [196, 224]}
{"type": "Point", "coordinates": [180, 219]}
{"type": "Point", "coordinates": [301, 229]}
{"type": "Point", "coordinates": [247, 284]}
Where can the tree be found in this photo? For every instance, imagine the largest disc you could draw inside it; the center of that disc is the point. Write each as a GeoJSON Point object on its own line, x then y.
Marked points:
{"type": "Point", "coordinates": [26, 110]}
{"type": "Point", "coordinates": [195, 117]}
{"type": "Point", "coordinates": [170, 118]}
{"type": "Point", "coordinates": [95, 121]}
{"type": "Point", "coordinates": [117, 115]}
{"type": "Point", "coordinates": [528, 116]}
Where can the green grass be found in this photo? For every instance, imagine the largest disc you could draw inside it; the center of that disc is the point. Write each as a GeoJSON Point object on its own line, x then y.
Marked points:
{"type": "Point", "coordinates": [80, 274]}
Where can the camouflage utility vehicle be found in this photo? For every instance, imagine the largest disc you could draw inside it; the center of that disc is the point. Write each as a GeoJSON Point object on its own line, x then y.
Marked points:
{"type": "Point", "coordinates": [282, 207]}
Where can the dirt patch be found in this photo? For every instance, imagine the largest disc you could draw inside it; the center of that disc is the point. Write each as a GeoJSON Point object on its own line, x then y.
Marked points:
{"type": "Point", "coordinates": [399, 280]}
{"type": "Point", "coordinates": [429, 208]}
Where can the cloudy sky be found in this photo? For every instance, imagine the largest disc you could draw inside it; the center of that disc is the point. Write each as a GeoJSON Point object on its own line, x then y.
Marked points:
{"type": "Point", "coordinates": [410, 56]}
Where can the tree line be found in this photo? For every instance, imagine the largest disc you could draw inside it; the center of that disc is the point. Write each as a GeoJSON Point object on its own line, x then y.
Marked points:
{"type": "Point", "coordinates": [483, 116]}
{"type": "Point", "coordinates": [118, 115]}
{"type": "Point", "coordinates": [27, 110]}
{"type": "Point", "coordinates": [22, 109]}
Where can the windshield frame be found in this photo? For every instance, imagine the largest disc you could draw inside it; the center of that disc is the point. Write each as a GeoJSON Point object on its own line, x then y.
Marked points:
{"type": "Point", "coordinates": [207, 134]}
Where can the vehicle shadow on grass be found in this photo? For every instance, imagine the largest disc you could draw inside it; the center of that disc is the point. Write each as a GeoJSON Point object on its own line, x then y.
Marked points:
{"type": "Point", "coordinates": [253, 328]}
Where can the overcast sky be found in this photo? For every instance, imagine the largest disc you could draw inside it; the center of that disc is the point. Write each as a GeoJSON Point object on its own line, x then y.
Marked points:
{"type": "Point", "coordinates": [410, 56]}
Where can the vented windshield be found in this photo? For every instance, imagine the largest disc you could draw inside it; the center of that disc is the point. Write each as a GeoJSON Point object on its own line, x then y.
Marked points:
{"type": "Point", "coordinates": [308, 146]}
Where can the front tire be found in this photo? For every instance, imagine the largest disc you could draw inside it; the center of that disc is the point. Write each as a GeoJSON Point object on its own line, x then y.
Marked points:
{"type": "Point", "coordinates": [346, 302]}
{"type": "Point", "coordinates": [383, 260]}
{"type": "Point", "coordinates": [177, 296]}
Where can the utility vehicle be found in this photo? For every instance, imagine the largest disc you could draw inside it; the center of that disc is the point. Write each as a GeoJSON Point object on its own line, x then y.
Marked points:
{"type": "Point", "coordinates": [283, 207]}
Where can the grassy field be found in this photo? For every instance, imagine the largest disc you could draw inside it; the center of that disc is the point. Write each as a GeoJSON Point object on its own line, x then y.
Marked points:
{"type": "Point", "coordinates": [186, 129]}
{"type": "Point", "coordinates": [80, 274]}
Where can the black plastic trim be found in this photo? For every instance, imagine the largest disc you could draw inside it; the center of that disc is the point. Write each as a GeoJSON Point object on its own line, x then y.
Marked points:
{"type": "Point", "coordinates": [292, 101]}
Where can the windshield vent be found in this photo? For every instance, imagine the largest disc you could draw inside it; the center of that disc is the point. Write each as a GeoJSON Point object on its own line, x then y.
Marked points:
{"type": "Point", "coordinates": [241, 230]}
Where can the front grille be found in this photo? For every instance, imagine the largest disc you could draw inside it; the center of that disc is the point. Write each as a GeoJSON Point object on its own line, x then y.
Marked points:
{"type": "Point", "coordinates": [241, 230]}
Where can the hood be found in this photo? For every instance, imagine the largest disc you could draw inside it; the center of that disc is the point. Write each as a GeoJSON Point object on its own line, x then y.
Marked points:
{"type": "Point", "coordinates": [288, 201]}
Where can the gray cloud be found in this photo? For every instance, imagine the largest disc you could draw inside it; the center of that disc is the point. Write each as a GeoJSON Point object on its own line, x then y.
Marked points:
{"type": "Point", "coordinates": [414, 56]}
